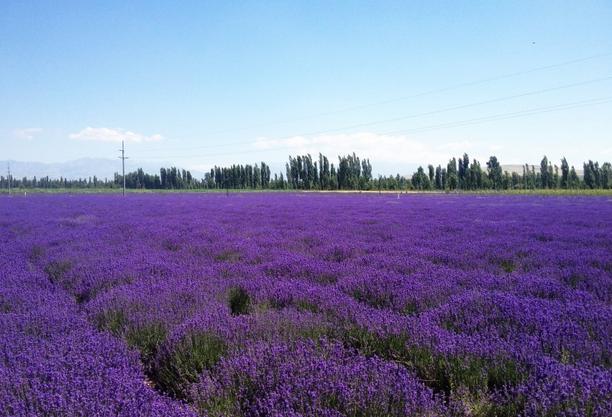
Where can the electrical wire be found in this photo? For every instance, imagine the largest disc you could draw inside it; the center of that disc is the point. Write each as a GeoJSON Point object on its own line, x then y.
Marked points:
{"type": "Point", "coordinates": [405, 117]}
{"type": "Point", "coordinates": [459, 123]}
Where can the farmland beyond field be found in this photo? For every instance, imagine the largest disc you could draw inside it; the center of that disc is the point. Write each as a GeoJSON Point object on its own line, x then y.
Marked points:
{"type": "Point", "coordinates": [293, 305]}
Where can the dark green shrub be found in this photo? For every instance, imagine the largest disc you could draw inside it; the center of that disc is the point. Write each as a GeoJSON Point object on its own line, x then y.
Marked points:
{"type": "Point", "coordinates": [239, 301]}
{"type": "Point", "coordinates": [411, 308]}
{"type": "Point", "coordinates": [507, 265]}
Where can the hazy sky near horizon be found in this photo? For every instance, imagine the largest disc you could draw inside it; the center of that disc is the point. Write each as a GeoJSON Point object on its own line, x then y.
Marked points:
{"type": "Point", "coordinates": [404, 83]}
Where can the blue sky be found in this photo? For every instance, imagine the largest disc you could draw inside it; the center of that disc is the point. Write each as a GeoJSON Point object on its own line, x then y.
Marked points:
{"type": "Point", "coordinates": [199, 83]}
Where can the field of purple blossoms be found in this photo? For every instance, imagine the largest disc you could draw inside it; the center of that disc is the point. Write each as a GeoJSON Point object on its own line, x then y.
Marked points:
{"type": "Point", "coordinates": [305, 305]}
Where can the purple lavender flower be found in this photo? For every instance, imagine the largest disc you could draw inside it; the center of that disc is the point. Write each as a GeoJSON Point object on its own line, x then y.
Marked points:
{"type": "Point", "coordinates": [300, 305]}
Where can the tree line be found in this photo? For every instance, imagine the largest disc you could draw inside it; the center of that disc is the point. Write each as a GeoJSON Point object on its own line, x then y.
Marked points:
{"type": "Point", "coordinates": [350, 172]}
{"type": "Point", "coordinates": [463, 174]}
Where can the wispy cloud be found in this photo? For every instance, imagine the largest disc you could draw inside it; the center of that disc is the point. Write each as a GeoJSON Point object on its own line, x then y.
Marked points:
{"type": "Point", "coordinates": [379, 148]}
{"type": "Point", "coordinates": [455, 147]}
{"type": "Point", "coordinates": [107, 134]}
{"type": "Point", "coordinates": [27, 133]}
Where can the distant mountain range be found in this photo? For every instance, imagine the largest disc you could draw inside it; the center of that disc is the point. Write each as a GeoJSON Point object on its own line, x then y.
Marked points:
{"type": "Point", "coordinates": [81, 168]}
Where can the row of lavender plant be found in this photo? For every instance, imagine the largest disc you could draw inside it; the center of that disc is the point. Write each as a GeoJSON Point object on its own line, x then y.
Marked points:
{"type": "Point", "coordinates": [306, 305]}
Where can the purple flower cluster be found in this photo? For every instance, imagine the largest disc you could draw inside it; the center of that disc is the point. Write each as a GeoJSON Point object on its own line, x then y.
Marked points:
{"type": "Point", "coordinates": [53, 362]}
{"type": "Point", "coordinates": [305, 305]}
{"type": "Point", "coordinates": [310, 379]}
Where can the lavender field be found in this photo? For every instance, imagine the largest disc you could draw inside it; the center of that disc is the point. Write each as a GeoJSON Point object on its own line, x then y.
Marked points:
{"type": "Point", "coordinates": [305, 305]}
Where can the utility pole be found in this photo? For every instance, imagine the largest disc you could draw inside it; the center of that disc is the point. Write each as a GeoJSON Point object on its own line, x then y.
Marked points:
{"type": "Point", "coordinates": [123, 158]}
{"type": "Point", "coordinates": [9, 177]}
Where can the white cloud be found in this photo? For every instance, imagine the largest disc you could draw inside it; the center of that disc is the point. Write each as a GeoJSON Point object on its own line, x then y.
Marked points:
{"type": "Point", "coordinates": [392, 149]}
{"type": "Point", "coordinates": [27, 133]}
{"type": "Point", "coordinates": [107, 134]}
{"type": "Point", "coordinates": [456, 147]}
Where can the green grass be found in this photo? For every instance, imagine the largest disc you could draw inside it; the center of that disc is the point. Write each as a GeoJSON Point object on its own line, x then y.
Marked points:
{"type": "Point", "coordinates": [147, 339]}
{"type": "Point", "coordinates": [545, 192]}
{"type": "Point", "coordinates": [466, 378]}
{"type": "Point", "coordinates": [190, 357]}
{"type": "Point", "coordinates": [113, 321]}
{"type": "Point", "coordinates": [19, 192]}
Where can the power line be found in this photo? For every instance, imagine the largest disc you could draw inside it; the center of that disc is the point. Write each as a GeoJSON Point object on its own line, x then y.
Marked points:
{"type": "Point", "coordinates": [414, 115]}
{"type": "Point", "coordinates": [459, 123]}
{"type": "Point", "coordinates": [411, 116]}
{"type": "Point", "coordinates": [422, 94]}
{"type": "Point", "coordinates": [504, 116]}
{"type": "Point", "coordinates": [123, 158]}
{"type": "Point", "coordinates": [463, 106]}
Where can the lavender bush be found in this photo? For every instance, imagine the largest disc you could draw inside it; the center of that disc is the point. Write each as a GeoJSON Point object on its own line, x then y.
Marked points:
{"type": "Point", "coordinates": [305, 305]}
